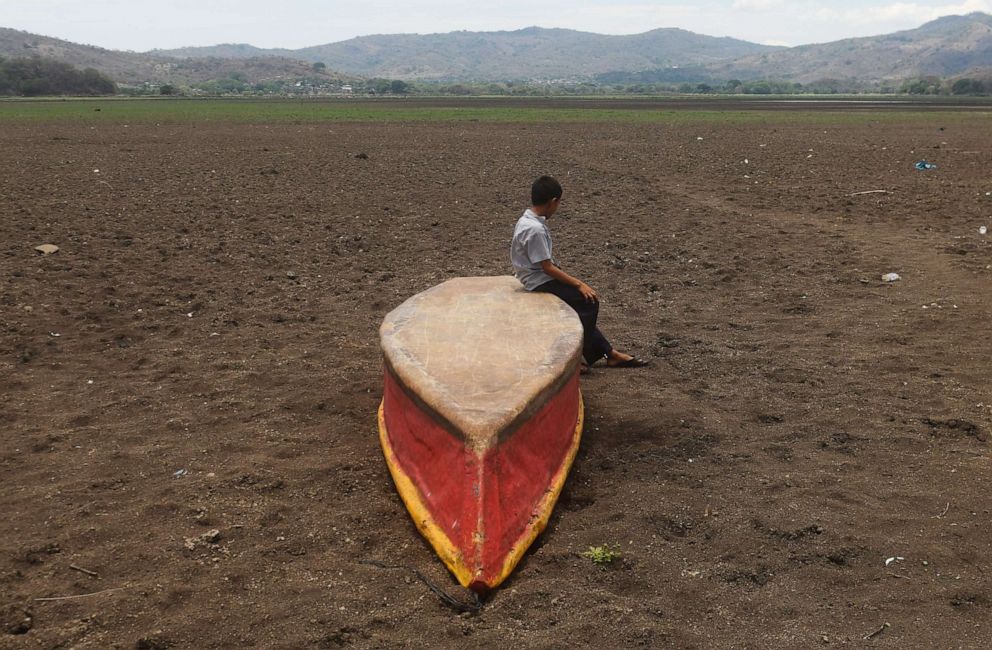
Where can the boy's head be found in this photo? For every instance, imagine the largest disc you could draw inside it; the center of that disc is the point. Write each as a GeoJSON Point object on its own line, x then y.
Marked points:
{"type": "Point", "coordinates": [545, 193]}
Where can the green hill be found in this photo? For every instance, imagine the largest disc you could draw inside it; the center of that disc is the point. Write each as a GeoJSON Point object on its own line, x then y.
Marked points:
{"type": "Point", "coordinates": [137, 68]}
{"type": "Point", "coordinates": [944, 47]}
{"type": "Point", "coordinates": [526, 54]}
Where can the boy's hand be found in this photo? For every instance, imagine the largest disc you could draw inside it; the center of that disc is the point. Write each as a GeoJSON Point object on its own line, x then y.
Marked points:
{"type": "Point", "coordinates": [588, 292]}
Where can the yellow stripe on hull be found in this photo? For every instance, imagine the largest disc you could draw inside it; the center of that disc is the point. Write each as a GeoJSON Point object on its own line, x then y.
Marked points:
{"type": "Point", "coordinates": [450, 555]}
{"type": "Point", "coordinates": [442, 544]}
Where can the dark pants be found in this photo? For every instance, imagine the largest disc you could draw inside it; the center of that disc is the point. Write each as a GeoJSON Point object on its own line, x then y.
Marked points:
{"type": "Point", "coordinates": [594, 344]}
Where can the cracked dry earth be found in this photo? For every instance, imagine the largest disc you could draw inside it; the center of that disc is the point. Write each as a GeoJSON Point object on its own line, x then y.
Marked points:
{"type": "Point", "coordinates": [188, 387]}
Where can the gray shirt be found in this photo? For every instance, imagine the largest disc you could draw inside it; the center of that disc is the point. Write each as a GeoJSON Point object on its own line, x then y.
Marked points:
{"type": "Point", "coordinates": [530, 246]}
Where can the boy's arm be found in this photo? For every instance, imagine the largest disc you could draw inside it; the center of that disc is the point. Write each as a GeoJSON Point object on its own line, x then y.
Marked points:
{"type": "Point", "coordinates": [587, 292]}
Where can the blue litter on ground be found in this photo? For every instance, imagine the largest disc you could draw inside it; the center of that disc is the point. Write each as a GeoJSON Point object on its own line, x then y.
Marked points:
{"type": "Point", "coordinates": [922, 165]}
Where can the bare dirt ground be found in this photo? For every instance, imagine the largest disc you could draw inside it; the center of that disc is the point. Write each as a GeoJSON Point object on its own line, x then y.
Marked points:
{"type": "Point", "coordinates": [202, 355]}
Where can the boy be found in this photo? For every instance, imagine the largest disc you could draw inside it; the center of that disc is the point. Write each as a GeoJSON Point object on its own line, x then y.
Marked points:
{"type": "Point", "coordinates": [533, 265]}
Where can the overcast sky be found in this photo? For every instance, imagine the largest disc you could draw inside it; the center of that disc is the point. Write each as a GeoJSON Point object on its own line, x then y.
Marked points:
{"type": "Point", "coordinates": [146, 24]}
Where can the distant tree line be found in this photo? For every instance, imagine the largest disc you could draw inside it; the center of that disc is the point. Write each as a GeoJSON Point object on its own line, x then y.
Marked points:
{"type": "Point", "coordinates": [921, 86]}
{"type": "Point", "coordinates": [938, 86]}
{"type": "Point", "coordinates": [36, 76]}
{"type": "Point", "coordinates": [238, 84]}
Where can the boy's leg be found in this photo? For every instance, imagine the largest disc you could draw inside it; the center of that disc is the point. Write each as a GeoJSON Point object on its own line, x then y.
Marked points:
{"type": "Point", "coordinates": [594, 344]}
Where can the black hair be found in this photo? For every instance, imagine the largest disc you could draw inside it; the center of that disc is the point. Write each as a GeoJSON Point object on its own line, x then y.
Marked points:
{"type": "Point", "coordinates": [543, 190]}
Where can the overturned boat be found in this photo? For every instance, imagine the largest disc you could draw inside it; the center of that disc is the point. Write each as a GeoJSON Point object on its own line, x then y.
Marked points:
{"type": "Point", "coordinates": [481, 417]}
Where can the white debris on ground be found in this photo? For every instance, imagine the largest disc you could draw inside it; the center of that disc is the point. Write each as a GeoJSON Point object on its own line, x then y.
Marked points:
{"type": "Point", "coordinates": [982, 230]}
{"type": "Point", "coordinates": [211, 537]}
{"type": "Point", "coordinates": [47, 249]}
{"type": "Point", "coordinates": [891, 277]}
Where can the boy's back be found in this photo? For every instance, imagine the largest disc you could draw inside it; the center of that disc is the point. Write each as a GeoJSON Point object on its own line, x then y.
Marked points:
{"type": "Point", "coordinates": [531, 244]}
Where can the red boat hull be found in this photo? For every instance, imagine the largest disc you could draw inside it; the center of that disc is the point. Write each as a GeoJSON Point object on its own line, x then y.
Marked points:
{"type": "Point", "coordinates": [479, 508]}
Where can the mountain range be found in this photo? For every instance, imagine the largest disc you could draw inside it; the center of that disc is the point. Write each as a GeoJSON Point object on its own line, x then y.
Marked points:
{"type": "Point", "coordinates": [137, 68]}
{"type": "Point", "coordinates": [525, 54]}
{"type": "Point", "coordinates": [945, 47]}
{"type": "Point", "coordinates": [949, 46]}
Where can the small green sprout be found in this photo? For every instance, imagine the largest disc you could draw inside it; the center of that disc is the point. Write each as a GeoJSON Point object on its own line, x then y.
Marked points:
{"type": "Point", "coordinates": [602, 555]}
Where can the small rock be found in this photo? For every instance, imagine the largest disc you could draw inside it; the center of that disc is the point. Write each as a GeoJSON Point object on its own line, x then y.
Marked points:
{"type": "Point", "coordinates": [150, 642]}
{"type": "Point", "coordinates": [212, 536]}
{"type": "Point", "coordinates": [291, 275]}
{"type": "Point", "coordinates": [47, 249]}
{"type": "Point", "coordinates": [891, 277]}
{"type": "Point", "coordinates": [362, 156]}
{"type": "Point", "coordinates": [15, 619]}
{"type": "Point", "coordinates": [982, 230]}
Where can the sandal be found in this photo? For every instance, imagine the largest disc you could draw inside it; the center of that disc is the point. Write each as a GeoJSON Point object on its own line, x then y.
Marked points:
{"type": "Point", "coordinates": [633, 362]}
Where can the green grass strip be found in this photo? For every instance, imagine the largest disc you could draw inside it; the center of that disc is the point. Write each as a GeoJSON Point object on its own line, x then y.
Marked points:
{"type": "Point", "coordinates": [186, 111]}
